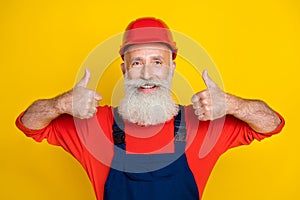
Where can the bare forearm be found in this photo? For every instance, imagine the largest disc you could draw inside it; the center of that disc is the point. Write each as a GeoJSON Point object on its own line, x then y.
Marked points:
{"type": "Point", "coordinates": [256, 113]}
{"type": "Point", "coordinates": [41, 113]}
{"type": "Point", "coordinates": [79, 102]}
{"type": "Point", "coordinates": [209, 105]}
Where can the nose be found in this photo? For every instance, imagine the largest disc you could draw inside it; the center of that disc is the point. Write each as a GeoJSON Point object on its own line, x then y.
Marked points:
{"type": "Point", "coordinates": [146, 72]}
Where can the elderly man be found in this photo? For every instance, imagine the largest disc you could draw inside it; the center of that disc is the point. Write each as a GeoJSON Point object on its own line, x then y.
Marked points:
{"type": "Point", "coordinates": [151, 147]}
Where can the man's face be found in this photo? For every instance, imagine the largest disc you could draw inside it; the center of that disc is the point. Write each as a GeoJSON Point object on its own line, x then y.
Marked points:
{"type": "Point", "coordinates": [148, 61]}
{"type": "Point", "coordinates": [148, 70]}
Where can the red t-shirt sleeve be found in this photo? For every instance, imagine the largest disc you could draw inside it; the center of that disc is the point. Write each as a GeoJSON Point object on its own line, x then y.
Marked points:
{"type": "Point", "coordinates": [63, 131]}
{"type": "Point", "coordinates": [60, 132]}
{"type": "Point", "coordinates": [224, 133]}
{"type": "Point", "coordinates": [237, 132]}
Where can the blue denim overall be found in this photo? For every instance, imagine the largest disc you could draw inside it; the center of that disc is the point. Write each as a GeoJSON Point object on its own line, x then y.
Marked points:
{"type": "Point", "coordinates": [150, 176]}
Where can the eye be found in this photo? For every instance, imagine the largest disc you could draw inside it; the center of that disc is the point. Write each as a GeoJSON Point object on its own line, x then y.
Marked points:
{"type": "Point", "coordinates": [136, 63]}
{"type": "Point", "coordinates": [157, 62]}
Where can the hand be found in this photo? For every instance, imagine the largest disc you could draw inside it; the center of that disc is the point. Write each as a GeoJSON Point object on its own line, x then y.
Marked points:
{"type": "Point", "coordinates": [81, 102]}
{"type": "Point", "coordinates": [209, 104]}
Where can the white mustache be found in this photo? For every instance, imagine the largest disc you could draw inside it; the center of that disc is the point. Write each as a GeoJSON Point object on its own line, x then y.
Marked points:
{"type": "Point", "coordinates": [137, 83]}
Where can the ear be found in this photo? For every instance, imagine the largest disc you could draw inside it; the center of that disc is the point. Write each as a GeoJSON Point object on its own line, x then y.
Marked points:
{"type": "Point", "coordinates": [123, 68]}
{"type": "Point", "coordinates": [173, 67]}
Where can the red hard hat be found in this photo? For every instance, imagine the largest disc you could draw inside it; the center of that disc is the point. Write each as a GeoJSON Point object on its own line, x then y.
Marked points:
{"type": "Point", "coordinates": [148, 30]}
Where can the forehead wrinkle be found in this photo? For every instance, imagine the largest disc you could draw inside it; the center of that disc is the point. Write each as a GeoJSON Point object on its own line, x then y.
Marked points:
{"type": "Point", "coordinates": [157, 57]}
{"type": "Point", "coordinates": [142, 54]}
{"type": "Point", "coordinates": [146, 50]}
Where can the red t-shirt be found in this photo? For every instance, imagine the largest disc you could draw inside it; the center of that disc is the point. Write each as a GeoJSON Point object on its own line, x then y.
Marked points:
{"type": "Point", "coordinates": [90, 141]}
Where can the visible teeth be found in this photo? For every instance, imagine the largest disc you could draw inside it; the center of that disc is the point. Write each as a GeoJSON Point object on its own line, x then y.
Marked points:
{"type": "Point", "coordinates": [147, 86]}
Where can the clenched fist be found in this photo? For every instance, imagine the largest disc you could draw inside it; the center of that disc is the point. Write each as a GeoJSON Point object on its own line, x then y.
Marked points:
{"type": "Point", "coordinates": [209, 104]}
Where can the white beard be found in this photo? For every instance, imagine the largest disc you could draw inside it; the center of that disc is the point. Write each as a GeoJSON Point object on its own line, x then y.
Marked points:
{"type": "Point", "coordinates": [147, 108]}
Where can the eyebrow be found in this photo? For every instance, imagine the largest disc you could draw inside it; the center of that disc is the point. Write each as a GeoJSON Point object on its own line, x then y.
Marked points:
{"type": "Point", "coordinates": [136, 58]}
{"type": "Point", "coordinates": [156, 57]}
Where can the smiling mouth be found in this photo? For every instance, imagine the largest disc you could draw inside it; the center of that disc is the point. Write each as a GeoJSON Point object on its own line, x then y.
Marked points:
{"type": "Point", "coordinates": [148, 88]}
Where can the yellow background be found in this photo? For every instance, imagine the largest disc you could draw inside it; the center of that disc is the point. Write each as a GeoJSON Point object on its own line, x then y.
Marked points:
{"type": "Point", "coordinates": [255, 45]}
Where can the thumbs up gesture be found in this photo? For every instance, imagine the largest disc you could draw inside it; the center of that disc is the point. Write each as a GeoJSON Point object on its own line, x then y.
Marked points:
{"type": "Point", "coordinates": [209, 104]}
{"type": "Point", "coordinates": [81, 102]}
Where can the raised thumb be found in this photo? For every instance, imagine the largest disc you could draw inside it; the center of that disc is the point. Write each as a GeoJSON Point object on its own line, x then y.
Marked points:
{"type": "Point", "coordinates": [208, 81]}
{"type": "Point", "coordinates": [85, 79]}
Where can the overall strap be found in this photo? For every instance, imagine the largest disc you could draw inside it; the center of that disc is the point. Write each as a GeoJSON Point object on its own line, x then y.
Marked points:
{"type": "Point", "coordinates": [119, 135]}
{"type": "Point", "coordinates": [118, 130]}
{"type": "Point", "coordinates": [180, 126]}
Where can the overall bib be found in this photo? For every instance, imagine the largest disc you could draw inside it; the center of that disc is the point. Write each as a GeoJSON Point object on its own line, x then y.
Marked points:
{"type": "Point", "coordinates": [150, 176]}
